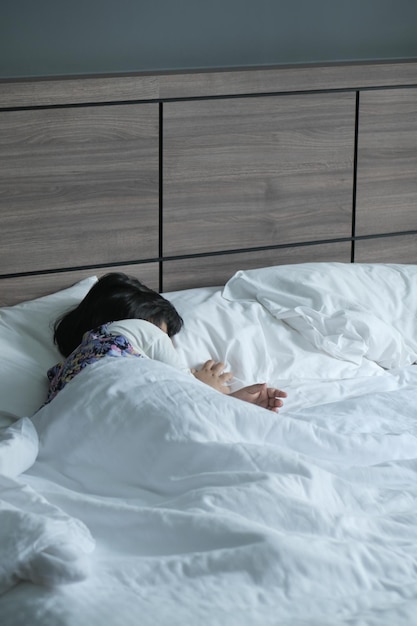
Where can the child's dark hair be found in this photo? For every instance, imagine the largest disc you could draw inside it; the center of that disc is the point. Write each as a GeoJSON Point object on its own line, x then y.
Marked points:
{"type": "Point", "coordinates": [114, 297]}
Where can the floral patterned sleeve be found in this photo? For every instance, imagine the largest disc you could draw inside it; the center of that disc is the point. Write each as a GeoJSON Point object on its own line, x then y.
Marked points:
{"type": "Point", "coordinates": [95, 344]}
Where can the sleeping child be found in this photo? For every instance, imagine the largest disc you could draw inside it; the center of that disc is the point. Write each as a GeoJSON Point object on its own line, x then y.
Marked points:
{"type": "Point", "coordinates": [120, 316]}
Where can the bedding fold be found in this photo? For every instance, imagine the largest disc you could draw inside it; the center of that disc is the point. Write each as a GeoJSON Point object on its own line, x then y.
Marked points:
{"type": "Point", "coordinates": [18, 447]}
{"type": "Point", "coordinates": [349, 311]}
{"type": "Point", "coordinates": [39, 542]}
{"type": "Point", "coordinates": [193, 494]}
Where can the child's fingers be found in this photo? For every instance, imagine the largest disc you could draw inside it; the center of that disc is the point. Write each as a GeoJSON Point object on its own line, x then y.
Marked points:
{"type": "Point", "coordinates": [217, 368]}
{"type": "Point", "coordinates": [276, 393]}
{"type": "Point", "coordinates": [212, 365]}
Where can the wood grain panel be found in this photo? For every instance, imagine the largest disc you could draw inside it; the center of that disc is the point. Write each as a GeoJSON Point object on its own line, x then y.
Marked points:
{"type": "Point", "coordinates": [283, 79]}
{"type": "Point", "coordinates": [219, 82]}
{"type": "Point", "coordinates": [78, 186]}
{"type": "Point", "coordinates": [216, 270]}
{"type": "Point", "coordinates": [387, 162]}
{"type": "Point", "coordinates": [260, 171]}
{"type": "Point", "coordinates": [20, 289]}
{"type": "Point", "coordinates": [78, 90]}
{"type": "Point", "coordinates": [400, 249]}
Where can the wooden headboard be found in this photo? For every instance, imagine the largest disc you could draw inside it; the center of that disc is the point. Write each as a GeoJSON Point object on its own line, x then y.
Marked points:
{"type": "Point", "coordinates": [183, 178]}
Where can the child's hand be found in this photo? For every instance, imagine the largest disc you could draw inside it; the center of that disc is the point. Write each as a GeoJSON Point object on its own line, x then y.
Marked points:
{"type": "Point", "coordinates": [213, 374]}
{"type": "Point", "coordinates": [261, 395]}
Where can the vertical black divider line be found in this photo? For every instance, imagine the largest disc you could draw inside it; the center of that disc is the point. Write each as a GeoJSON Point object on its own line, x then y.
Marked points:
{"type": "Point", "coordinates": [161, 191]}
{"type": "Point", "coordinates": [355, 177]}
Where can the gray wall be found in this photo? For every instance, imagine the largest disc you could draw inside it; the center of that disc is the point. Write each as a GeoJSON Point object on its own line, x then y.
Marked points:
{"type": "Point", "coordinates": [61, 37]}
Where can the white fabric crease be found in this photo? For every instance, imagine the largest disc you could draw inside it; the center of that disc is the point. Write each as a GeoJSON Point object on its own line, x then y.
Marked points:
{"type": "Point", "coordinates": [39, 542]}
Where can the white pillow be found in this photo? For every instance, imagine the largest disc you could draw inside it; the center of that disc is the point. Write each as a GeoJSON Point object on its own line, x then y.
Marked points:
{"type": "Point", "coordinates": [350, 311]}
{"type": "Point", "coordinates": [224, 331]}
{"type": "Point", "coordinates": [27, 350]}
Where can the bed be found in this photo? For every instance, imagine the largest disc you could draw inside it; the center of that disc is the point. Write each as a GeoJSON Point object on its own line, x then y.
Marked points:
{"type": "Point", "coordinates": [276, 209]}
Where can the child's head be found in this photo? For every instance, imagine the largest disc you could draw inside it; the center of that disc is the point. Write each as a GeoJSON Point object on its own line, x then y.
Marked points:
{"type": "Point", "coordinates": [114, 297]}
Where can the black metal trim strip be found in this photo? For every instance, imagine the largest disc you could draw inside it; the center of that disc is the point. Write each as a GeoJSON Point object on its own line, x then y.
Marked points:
{"type": "Point", "coordinates": [77, 268]}
{"type": "Point", "coordinates": [199, 255]}
{"type": "Point", "coordinates": [77, 105]}
{"type": "Point", "coordinates": [355, 175]}
{"type": "Point", "coordinates": [400, 233]}
{"type": "Point", "coordinates": [268, 94]}
{"type": "Point", "coordinates": [294, 92]}
{"type": "Point", "coordinates": [161, 193]}
{"type": "Point", "coordinates": [298, 244]}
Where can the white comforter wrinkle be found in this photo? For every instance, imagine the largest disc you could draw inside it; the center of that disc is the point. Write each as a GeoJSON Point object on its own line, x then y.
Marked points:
{"type": "Point", "coordinates": [39, 542]}
{"type": "Point", "coordinates": [222, 504]}
{"type": "Point", "coordinates": [351, 311]}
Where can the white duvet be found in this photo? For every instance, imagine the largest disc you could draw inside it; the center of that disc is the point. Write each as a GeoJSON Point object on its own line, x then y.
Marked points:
{"type": "Point", "coordinates": [39, 542]}
{"type": "Point", "coordinates": [209, 510]}
{"type": "Point", "coordinates": [206, 510]}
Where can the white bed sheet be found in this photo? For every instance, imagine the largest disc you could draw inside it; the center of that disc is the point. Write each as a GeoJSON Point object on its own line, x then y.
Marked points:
{"type": "Point", "coordinates": [207, 510]}
{"type": "Point", "coordinates": [257, 347]}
